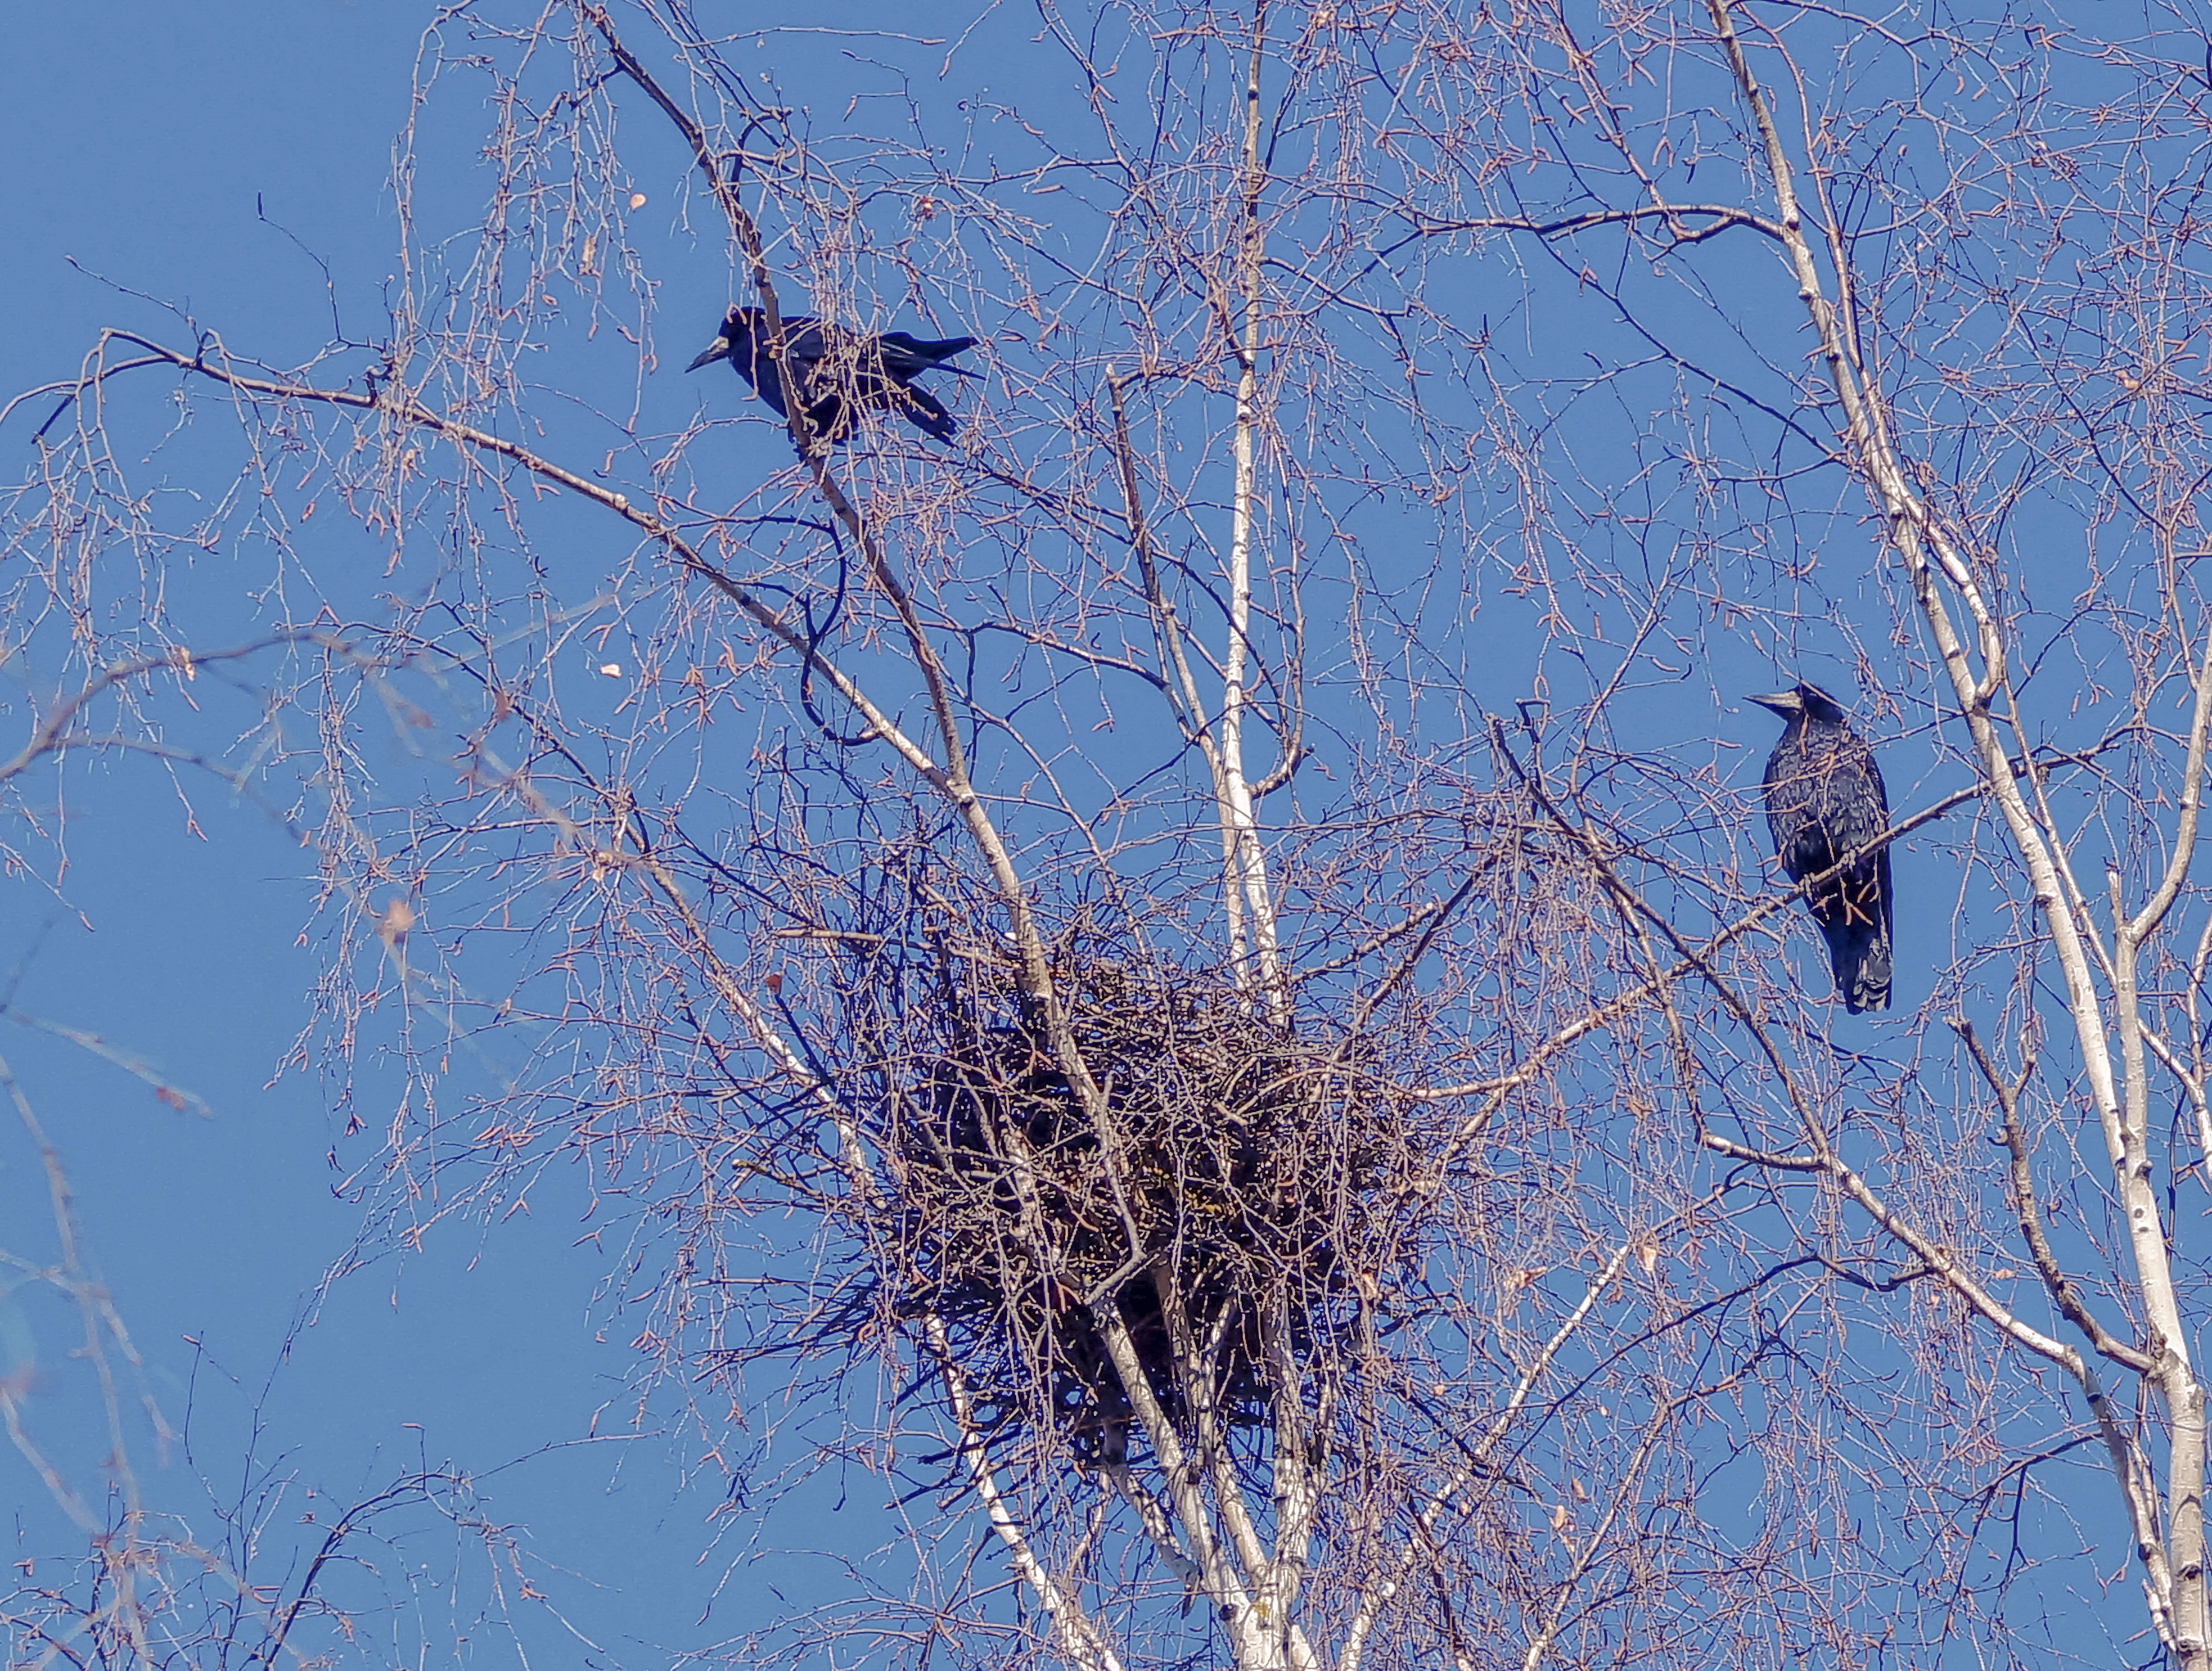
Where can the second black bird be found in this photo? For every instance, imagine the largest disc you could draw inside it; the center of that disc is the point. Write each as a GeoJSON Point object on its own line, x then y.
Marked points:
{"type": "Point", "coordinates": [1824, 799]}
{"type": "Point", "coordinates": [837, 372]}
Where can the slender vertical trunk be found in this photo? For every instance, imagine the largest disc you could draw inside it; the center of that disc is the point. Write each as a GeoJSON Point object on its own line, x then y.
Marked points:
{"type": "Point", "coordinates": [1249, 906]}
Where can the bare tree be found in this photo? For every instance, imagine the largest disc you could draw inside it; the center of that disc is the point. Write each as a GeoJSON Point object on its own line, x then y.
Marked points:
{"type": "Point", "coordinates": [1185, 979]}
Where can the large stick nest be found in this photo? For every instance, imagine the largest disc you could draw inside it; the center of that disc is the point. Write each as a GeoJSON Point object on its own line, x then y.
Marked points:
{"type": "Point", "coordinates": [1225, 1206]}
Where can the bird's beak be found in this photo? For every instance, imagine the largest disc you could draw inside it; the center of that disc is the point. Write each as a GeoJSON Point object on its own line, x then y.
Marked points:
{"type": "Point", "coordinates": [717, 350]}
{"type": "Point", "coordinates": [1784, 702]}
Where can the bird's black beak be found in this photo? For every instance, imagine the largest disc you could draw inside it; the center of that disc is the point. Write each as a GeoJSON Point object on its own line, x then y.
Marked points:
{"type": "Point", "coordinates": [1785, 702]}
{"type": "Point", "coordinates": [717, 350]}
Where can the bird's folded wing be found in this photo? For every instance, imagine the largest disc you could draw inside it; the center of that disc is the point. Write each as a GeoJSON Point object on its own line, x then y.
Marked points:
{"type": "Point", "coordinates": [1858, 805]}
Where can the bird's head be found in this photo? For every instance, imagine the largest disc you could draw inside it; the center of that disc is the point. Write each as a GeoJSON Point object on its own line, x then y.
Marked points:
{"type": "Point", "coordinates": [736, 327]}
{"type": "Point", "coordinates": [1801, 699]}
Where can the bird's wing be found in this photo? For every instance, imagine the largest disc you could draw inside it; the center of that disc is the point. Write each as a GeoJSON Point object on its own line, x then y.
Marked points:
{"type": "Point", "coordinates": [806, 344]}
{"type": "Point", "coordinates": [1882, 808]}
{"type": "Point", "coordinates": [1790, 794]}
{"type": "Point", "coordinates": [1857, 816]}
{"type": "Point", "coordinates": [1858, 804]}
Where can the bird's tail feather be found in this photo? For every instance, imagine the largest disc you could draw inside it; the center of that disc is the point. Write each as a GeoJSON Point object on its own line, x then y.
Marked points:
{"type": "Point", "coordinates": [928, 414]}
{"type": "Point", "coordinates": [936, 350]}
{"type": "Point", "coordinates": [1858, 954]}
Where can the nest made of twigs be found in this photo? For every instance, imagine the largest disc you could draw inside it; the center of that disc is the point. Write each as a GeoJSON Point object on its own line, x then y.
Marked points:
{"type": "Point", "coordinates": [1217, 1198]}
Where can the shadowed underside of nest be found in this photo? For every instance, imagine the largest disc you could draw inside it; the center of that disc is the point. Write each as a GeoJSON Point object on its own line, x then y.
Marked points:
{"type": "Point", "coordinates": [1219, 1202]}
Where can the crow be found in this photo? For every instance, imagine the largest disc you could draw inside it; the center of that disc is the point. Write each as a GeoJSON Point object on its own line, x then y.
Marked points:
{"type": "Point", "coordinates": [838, 371]}
{"type": "Point", "coordinates": [1824, 800]}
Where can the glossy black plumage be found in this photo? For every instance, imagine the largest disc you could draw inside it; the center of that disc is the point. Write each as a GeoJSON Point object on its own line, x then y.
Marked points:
{"type": "Point", "coordinates": [1823, 799]}
{"type": "Point", "coordinates": [838, 371]}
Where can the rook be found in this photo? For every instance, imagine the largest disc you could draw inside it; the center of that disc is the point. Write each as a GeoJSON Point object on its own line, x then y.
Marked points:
{"type": "Point", "coordinates": [1824, 799]}
{"type": "Point", "coordinates": [838, 371]}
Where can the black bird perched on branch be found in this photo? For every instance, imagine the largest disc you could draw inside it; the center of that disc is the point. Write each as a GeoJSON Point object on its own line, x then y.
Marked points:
{"type": "Point", "coordinates": [838, 371]}
{"type": "Point", "coordinates": [1825, 800]}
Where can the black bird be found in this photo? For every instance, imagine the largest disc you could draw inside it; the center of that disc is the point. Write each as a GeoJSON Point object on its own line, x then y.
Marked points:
{"type": "Point", "coordinates": [1824, 799]}
{"type": "Point", "coordinates": [838, 371]}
